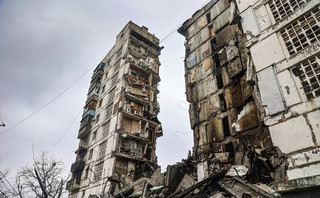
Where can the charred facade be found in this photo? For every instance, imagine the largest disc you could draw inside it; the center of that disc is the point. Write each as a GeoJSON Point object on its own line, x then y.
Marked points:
{"type": "Point", "coordinates": [119, 126]}
{"type": "Point", "coordinates": [252, 80]}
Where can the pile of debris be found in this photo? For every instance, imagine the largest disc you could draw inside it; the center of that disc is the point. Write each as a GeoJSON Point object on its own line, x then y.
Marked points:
{"type": "Point", "coordinates": [181, 180]}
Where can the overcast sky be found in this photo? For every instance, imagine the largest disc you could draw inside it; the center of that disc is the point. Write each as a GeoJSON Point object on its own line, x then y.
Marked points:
{"type": "Point", "coordinates": [47, 45]}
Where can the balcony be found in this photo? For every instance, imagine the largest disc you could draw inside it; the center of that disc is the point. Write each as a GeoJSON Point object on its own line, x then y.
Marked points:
{"type": "Point", "coordinates": [83, 147]}
{"type": "Point", "coordinates": [85, 126]}
{"type": "Point", "coordinates": [72, 185]}
{"type": "Point", "coordinates": [88, 112]}
{"type": "Point", "coordinates": [77, 166]}
{"type": "Point", "coordinates": [96, 78]}
{"type": "Point", "coordinates": [92, 97]}
{"type": "Point", "coordinates": [86, 120]}
{"type": "Point", "coordinates": [101, 67]}
{"type": "Point", "coordinates": [84, 131]}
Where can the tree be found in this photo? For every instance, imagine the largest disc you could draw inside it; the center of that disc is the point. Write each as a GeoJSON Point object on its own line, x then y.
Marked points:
{"type": "Point", "coordinates": [43, 179]}
{"type": "Point", "coordinates": [4, 189]}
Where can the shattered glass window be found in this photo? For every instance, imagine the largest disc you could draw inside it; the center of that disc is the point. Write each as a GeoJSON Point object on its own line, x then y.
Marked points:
{"type": "Point", "coordinates": [109, 111]}
{"type": "Point", "coordinates": [308, 72]}
{"type": "Point", "coordinates": [106, 128]}
{"type": "Point", "coordinates": [102, 149]}
{"type": "Point", "coordinates": [98, 171]}
{"type": "Point", "coordinates": [282, 8]}
{"type": "Point", "coordinates": [302, 32]}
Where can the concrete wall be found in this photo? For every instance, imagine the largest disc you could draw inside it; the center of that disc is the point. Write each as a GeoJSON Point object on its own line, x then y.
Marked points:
{"type": "Point", "coordinates": [293, 123]}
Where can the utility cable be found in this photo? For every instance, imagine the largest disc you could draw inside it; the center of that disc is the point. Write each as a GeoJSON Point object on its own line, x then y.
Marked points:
{"type": "Point", "coordinates": [67, 129]}
{"type": "Point", "coordinates": [173, 31]}
{"type": "Point", "coordinates": [8, 183]}
{"type": "Point", "coordinates": [32, 114]}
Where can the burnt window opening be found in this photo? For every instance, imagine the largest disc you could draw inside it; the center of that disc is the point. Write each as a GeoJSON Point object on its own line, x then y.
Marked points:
{"type": "Point", "coordinates": [208, 17]}
{"type": "Point", "coordinates": [219, 81]}
{"type": "Point", "coordinates": [308, 73]}
{"type": "Point", "coordinates": [100, 103]}
{"type": "Point", "coordinates": [229, 147]}
{"type": "Point", "coordinates": [226, 129]}
{"type": "Point", "coordinates": [112, 188]}
{"type": "Point", "coordinates": [283, 8]}
{"type": "Point", "coordinates": [211, 31]}
{"type": "Point", "coordinates": [223, 103]}
{"type": "Point", "coordinates": [149, 154]}
{"type": "Point", "coordinates": [302, 32]}
{"type": "Point", "coordinates": [213, 42]}
{"type": "Point", "coordinates": [217, 60]}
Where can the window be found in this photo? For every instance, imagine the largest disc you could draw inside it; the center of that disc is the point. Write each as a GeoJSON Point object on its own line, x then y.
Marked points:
{"type": "Point", "coordinates": [100, 103]}
{"type": "Point", "coordinates": [226, 129]}
{"type": "Point", "coordinates": [112, 94]}
{"type": "Point", "coordinates": [302, 32]}
{"type": "Point", "coordinates": [102, 149]}
{"type": "Point", "coordinates": [94, 135]}
{"type": "Point", "coordinates": [86, 174]}
{"type": "Point", "coordinates": [308, 73]}
{"type": "Point", "coordinates": [118, 53]}
{"type": "Point", "coordinates": [109, 111]}
{"type": "Point", "coordinates": [90, 154]}
{"type": "Point", "coordinates": [103, 88]}
{"type": "Point", "coordinates": [97, 91]}
{"type": "Point", "coordinates": [97, 118]}
{"type": "Point", "coordinates": [219, 81]}
{"type": "Point", "coordinates": [98, 171]}
{"type": "Point", "coordinates": [114, 79]}
{"type": "Point", "coordinates": [282, 8]}
{"type": "Point", "coordinates": [106, 128]}
{"type": "Point", "coordinates": [208, 17]}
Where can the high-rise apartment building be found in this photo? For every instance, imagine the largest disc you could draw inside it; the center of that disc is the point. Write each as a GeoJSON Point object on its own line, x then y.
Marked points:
{"type": "Point", "coordinates": [283, 37]}
{"type": "Point", "coordinates": [119, 125]}
{"type": "Point", "coordinates": [253, 82]}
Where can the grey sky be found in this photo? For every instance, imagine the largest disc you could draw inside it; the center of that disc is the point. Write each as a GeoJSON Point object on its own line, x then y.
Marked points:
{"type": "Point", "coordinates": [46, 45]}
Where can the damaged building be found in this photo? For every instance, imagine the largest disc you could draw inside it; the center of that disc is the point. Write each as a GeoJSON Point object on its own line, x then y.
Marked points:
{"type": "Point", "coordinates": [119, 125]}
{"type": "Point", "coordinates": [252, 79]}
{"type": "Point", "coordinates": [283, 38]}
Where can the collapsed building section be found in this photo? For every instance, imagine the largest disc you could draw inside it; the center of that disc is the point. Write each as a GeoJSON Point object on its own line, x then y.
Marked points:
{"type": "Point", "coordinates": [119, 126]}
{"type": "Point", "coordinates": [252, 80]}
{"type": "Point", "coordinates": [284, 42]}
{"type": "Point", "coordinates": [224, 106]}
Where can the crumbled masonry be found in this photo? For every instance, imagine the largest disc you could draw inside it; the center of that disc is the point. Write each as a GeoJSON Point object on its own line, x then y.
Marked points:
{"type": "Point", "coordinates": [252, 75]}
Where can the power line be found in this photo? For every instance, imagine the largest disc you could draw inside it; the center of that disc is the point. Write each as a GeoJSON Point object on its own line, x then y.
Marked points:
{"type": "Point", "coordinates": [8, 183]}
{"type": "Point", "coordinates": [173, 31]}
{"type": "Point", "coordinates": [67, 129]}
{"type": "Point", "coordinates": [32, 114]}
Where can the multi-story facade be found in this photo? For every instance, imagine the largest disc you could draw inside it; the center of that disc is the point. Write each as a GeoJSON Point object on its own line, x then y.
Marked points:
{"type": "Point", "coordinates": [252, 79]}
{"type": "Point", "coordinates": [119, 126]}
{"type": "Point", "coordinates": [284, 42]}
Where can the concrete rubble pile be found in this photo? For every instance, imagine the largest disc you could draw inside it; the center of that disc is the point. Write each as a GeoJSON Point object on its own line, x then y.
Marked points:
{"type": "Point", "coordinates": [180, 180]}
